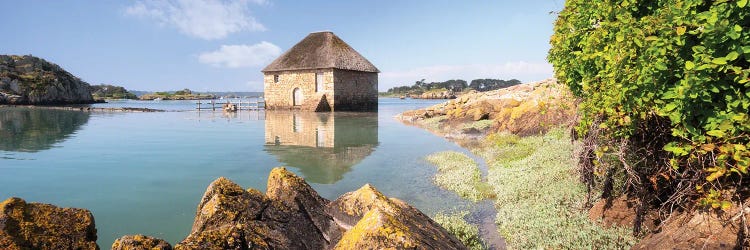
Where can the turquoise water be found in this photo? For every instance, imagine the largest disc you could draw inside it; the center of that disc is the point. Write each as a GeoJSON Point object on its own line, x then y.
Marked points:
{"type": "Point", "coordinates": [146, 172]}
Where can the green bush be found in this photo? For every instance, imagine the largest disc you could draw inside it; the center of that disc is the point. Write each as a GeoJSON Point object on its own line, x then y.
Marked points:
{"type": "Point", "coordinates": [664, 89]}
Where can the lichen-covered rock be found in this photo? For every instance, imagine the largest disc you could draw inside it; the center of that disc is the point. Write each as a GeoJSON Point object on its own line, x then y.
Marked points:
{"type": "Point", "coordinates": [524, 109]}
{"type": "Point", "coordinates": [382, 222]}
{"type": "Point", "coordinates": [140, 242]}
{"type": "Point", "coordinates": [291, 215]}
{"type": "Point", "coordinates": [225, 217]}
{"type": "Point", "coordinates": [32, 80]}
{"type": "Point", "coordinates": [379, 230]}
{"type": "Point", "coordinates": [295, 194]}
{"type": "Point", "coordinates": [43, 226]}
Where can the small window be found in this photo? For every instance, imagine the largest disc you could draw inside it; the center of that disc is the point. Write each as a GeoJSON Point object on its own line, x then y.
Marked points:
{"type": "Point", "coordinates": [275, 78]}
{"type": "Point", "coordinates": [318, 82]}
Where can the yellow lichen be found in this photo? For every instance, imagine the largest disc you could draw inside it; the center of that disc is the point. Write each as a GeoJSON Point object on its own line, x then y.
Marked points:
{"type": "Point", "coordinates": [377, 229]}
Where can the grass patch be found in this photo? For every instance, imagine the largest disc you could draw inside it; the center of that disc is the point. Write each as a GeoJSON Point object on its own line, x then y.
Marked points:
{"type": "Point", "coordinates": [506, 147]}
{"type": "Point", "coordinates": [480, 125]}
{"type": "Point", "coordinates": [539, 197]}
{"type": "Point", "coordinates": [433, 123]}
{"type": "Point", "coordinates": [456, 225]}
{"type": "Point", "coordinates": [459, 173]}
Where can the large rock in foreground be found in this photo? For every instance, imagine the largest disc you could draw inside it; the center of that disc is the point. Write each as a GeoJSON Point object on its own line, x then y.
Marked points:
{"type": "Point", "coordinates": [140, 242]}
{"type": "Point", "coordinates": [32, 80]}
{"type": "Point", "coordinates": [291, 215]}
{"type": "Point", "coordinates": [43, 226]}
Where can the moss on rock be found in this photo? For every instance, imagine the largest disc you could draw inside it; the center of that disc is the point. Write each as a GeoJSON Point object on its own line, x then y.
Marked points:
{"type": "Point", "coordinates": [43, 226]}
{"type": "Point", "coordinates": [140, 242]}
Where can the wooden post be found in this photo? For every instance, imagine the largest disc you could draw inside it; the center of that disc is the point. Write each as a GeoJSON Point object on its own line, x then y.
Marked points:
{"type": "Point", "coordinates": [213, 106]}
{"type": "Point", "coordinates": [199, 105]}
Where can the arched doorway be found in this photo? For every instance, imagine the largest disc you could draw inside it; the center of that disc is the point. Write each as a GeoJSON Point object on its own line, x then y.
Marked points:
{"type": "Point", "coordinates": [297, 97]}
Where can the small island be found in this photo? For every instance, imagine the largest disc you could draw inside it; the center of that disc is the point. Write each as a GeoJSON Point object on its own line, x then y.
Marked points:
{"type": "Point", "coordinates": [106, 91]}
{"type": "Point", "coordinates": [185, 94]}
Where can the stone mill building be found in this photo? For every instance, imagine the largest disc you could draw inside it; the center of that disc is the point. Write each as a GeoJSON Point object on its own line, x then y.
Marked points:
{"type": "Point", "coordinates": [321, 73]}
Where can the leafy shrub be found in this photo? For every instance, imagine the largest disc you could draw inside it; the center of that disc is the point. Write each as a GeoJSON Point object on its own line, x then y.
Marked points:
{"type": "Point", "coordinates": [664, 89]}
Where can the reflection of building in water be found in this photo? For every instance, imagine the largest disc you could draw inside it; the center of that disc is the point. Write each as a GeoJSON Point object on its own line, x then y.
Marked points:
{"type": "Point", "coordinates": [324, 146]}
{"type": "Point", "coordinates": [32, 129]}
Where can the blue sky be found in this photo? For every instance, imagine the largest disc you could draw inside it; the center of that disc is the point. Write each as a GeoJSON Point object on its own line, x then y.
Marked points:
{"type": "Point", "coordinates": [220, 45]}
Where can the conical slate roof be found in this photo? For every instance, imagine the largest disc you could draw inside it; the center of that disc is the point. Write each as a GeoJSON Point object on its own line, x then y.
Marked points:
{"type": "Point", "coordinates": [321, 50]}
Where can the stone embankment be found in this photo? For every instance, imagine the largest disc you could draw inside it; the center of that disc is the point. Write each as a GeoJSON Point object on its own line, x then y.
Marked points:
{"type": "Point", "coordinates": [290, 215]}
{"type": "Point", "coordinates": [31, 80]}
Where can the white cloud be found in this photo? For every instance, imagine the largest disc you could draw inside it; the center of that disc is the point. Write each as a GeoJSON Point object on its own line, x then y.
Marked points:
{"type": "Point", "coordinates": [523, 71]}
{"type": "Point", "coordinates": [205, 19]}
{"type": "Point", "coordinates": [240, 56]}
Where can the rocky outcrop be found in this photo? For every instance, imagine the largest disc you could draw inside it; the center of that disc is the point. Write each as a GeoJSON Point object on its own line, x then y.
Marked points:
{"type": "Point", "coordinates": [140, 242]}
{"type": "Point", "coordinates": [291, 215]}
{"type": "Point", "coordinates": [32, 80]}
{"type": "Point", "coordinates": [43, 226]}
{"type": "Point", "coordinates": [374, 221]}
{"type": "Point", "coordinates": [524, 109]}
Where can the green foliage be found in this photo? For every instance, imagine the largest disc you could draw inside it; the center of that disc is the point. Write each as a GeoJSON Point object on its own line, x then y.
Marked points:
{"type": "Point", "coordinates": [434, 123]}
{"type": "Point", "coordinates": [480, 125]}
{"type": "Point", "coordinates": [687, 62]}
{"type": "Point", "coordinates": [539, 199]}
{"type": "Point", "coordinates": [508, 147]}
{"type": "Point", "coordinates": [456, 225]}
{"type": "Point", "coordinates": [459, 173]}
{"type": "Point", "coordinates": [183, 92]}
{"type": "Point", "coordinates": [106, 91]}
{"type": "Point", "coordinates": [483, 85]}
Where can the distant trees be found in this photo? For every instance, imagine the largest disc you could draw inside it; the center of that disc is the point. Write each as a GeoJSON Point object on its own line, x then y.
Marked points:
{"type": "Point", "coordinates": [491, 84]}
{"type": "Point", "coordinates": [455, 85]}
{"type": "Point", "coordinates": [106, 91]}
{"type": "Point", "coordinates": [183, 92]}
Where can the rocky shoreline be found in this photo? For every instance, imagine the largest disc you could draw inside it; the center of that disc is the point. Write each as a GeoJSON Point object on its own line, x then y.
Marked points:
{"type": "Point", "coordinates": [87, 109]}
{"type": "Point", "coordinates": [32, 80]}
{"type": "Point", "coordinates": [533, 108]}
{"type": "Point", "coordinates": [524, 109]}
{"type": "Point", "coordinates": [290, 215]}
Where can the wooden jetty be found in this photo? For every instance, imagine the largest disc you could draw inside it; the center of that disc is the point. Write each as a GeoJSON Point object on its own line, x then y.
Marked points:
{"type": "Point", "coordinates": [241, 104]}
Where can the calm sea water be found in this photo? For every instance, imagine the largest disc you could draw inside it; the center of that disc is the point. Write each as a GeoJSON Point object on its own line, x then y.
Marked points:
{"type": "Point", "coordinates": [146, 172]}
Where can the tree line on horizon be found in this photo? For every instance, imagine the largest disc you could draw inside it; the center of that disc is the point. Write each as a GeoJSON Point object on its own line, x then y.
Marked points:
{"type": "Point", "coordinates": [455, 85]}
